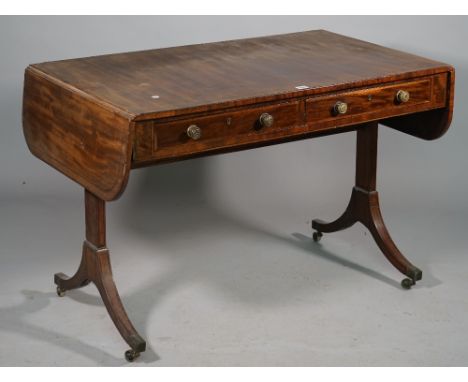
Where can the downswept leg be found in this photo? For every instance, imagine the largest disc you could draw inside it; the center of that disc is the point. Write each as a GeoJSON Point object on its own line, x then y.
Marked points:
{"type": "Point", "coordinates": [95, 267]}
{"type": "Point", "coordinates": [364, 206]}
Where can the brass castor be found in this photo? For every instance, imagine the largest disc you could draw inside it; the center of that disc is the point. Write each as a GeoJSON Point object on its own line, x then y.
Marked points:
{"type": "Point", "coordinates": [131, 355]}
{"type": "Point", "coordinates": [60, 291]}
{"type": "Point", "coordinates": [407, 283]}
{"type": "Point", "coordinates": [317, 236]}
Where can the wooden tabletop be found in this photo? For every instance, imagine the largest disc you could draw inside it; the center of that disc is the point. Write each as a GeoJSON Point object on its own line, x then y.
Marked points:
{"type": "Point", "coordinates": [172, 81]}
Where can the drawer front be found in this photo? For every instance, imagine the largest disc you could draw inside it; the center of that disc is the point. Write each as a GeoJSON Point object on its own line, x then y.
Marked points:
{"type": "Point", "coordinates": [168, 139]}
{"type": "Point", "coordinates": [160, 140]}
{"type": "Point", "coordinates": [376, 103]}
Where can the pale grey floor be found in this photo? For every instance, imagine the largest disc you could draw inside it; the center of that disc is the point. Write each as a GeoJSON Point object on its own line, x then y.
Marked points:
{"type": "Point", "coordinates": [211, 285]}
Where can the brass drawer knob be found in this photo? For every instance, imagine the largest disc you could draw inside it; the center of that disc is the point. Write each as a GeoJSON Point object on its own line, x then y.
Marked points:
{"type": "Point", "coordinates": [266, 120]}
{"type": "Point", "coordinates": [402, 96]}
{"type": "Point", "coordinates": [340, 107]}
{"type": "Point", "coordinates": [194, 132]}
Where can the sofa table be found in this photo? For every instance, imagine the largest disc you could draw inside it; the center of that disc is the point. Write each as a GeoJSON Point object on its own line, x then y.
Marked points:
{"type": "Point", "coordinates": [96, 118]}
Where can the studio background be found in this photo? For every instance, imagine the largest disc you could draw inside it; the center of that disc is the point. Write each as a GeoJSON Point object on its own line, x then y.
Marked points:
{"type": "Point", "coordinates": [213, 256]}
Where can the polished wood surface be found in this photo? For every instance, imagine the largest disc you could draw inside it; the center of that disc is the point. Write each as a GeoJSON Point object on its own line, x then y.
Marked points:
{"type": "Point", "coordinates": [132, 109]}
{"type": "Point", "coordinates": [95, 267]}
{"type": "Point", "coordinates": [88, 142]}
{"type": "Point", "coordinates": [96, 118]}
{"type": "Point", "coordinates": [377, 102]}
{"type": "Point", "coordinates": [224, 74]}
{"type": "Point", "coordinates": [166, 139]}
{"type": "Point", "coordinates": [225, 131]}
{"type": "Point", "coordinates": [364, 206]}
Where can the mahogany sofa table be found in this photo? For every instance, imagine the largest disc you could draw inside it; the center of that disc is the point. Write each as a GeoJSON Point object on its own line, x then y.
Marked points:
{"type": "Point", "coordinates": [94, 119]}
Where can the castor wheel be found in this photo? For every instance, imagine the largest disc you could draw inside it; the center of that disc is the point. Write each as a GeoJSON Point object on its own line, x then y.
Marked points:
{"type": "Point", "coordinates": [317, 236]}
{"type": "Point", "coordinates": [131, 354]}
{"type": "Point", "coordinates": [407, 283]}
{"type": "Point", "coordinates": [60, 292]}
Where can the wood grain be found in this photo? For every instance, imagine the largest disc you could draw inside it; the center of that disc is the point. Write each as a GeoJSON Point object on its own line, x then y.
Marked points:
{"type": "Point", "coordinates": [87, 141]}
{"type": "Point", "coordinates": [431, 124]}
{"type": "Point", "coordinates": [95, 267]}
{"type": "Point", "coordinates": [377, 102]}
{"type": "Point", "coordinates": [166, 139]}
{"type": "Point", "coordinates": [208, 77]}
{"type": "Point", "coordinates": [94, 118]}
{"type": "Point", "coordinates": [226, 130]}
{"type": "Point", "coordinates": [364, 206]}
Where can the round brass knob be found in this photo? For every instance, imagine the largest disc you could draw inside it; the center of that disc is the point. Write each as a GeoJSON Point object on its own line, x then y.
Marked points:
{"type": "Point", "coordinates": [194, 132]}
{"type": "Point", "coordinates": [266, 120]}
{"type": "Point", "coordinates": [340, 107]}
{"type": "Point", "coordinates": [402, 96]}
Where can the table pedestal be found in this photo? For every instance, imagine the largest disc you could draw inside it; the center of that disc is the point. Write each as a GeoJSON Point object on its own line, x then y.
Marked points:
{"type": "Point", "coordinates": [364, 207]}
{"type": "Point", "coordinates": [95, 267]}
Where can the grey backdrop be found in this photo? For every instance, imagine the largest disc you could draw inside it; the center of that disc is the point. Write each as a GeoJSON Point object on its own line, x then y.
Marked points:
{"type": "Point", "coordinates": [225, 222]}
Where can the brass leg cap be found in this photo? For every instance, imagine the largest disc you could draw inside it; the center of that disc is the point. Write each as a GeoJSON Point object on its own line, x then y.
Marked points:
{"type": "Point", "coordinates": [131, 355]}
{"type": "Point", "coordinates": [407, 283]}
{"type": "Point", "coordinates": [60, 291]}
{"type": "Point", "coordinates": [317, 236]}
